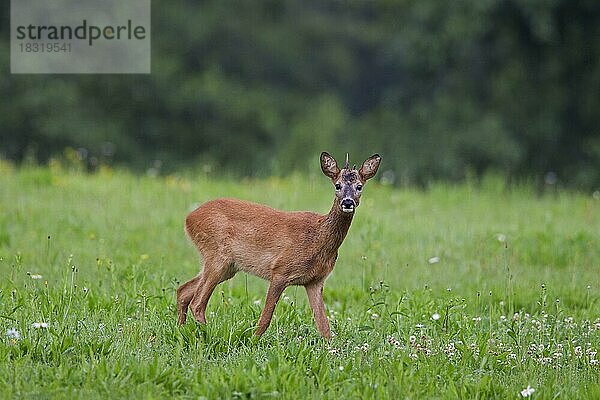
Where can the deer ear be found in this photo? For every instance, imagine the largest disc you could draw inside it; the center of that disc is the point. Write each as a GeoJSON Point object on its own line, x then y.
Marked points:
{"type": "Point", "coordinates": [329, 166]}
{"type": "Point", "coordinates": [369, 167]}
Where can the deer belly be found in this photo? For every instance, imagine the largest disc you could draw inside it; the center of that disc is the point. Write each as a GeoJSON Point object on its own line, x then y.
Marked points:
{"type": "Point", "coordinates": [255, 262]}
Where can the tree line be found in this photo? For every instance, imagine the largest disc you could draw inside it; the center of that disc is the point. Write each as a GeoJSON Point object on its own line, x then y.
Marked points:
{"type": "Point", "coordinates": [443, 90]}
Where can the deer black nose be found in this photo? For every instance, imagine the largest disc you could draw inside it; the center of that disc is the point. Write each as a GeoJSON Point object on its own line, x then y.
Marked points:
{"type": "Point", "coordinates": [348, 205]}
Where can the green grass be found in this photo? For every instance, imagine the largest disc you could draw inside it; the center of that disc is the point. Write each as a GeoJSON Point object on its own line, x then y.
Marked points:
{"type": "Point", "coordinates": [516, 290]}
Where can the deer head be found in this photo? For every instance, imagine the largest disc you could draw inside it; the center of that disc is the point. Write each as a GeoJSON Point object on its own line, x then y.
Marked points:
{"type": "Point", "coordinates": [348, 182]}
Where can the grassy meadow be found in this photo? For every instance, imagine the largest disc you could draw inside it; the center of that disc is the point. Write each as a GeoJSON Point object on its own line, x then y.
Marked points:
{"type": "Point", "coordinates": [469, 291]}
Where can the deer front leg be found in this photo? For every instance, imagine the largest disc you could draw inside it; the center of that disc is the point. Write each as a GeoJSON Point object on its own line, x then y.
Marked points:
{"type": "Point", "coordinates": [275, 289]}
{"type": "Point", "coordinates": [315, 298]}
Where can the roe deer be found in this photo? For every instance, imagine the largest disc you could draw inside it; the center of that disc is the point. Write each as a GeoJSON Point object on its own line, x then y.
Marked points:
{"type": "Point", "coordinates": [285, 248]}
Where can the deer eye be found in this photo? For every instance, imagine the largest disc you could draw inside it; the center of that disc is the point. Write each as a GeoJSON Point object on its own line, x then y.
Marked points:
{"type": "Point", "coordinates": [359, 187]}
{"type": "Point", "coordinates": [338, 186]}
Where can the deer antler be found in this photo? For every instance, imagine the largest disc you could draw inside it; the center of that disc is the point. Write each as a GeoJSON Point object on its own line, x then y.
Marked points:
{"type": "Point", "coordinates": [346, 163]}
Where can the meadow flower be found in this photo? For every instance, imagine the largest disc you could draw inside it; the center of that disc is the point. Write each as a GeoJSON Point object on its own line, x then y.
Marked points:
{"type": "Point", "coordinates": [374, 316]}
{"type": "Point", "coordinates": [35, 276]}
{"type": "Point", "coordinates": [501, 237]}
{"type": "Point", "coordinates": [38, 325]}
{"type": "Point", "coordinates": [450, 350]}
{"type": "Point", "coordinates": [528, 391]}
{"type": "Point", "coordinates": [13, 333]}
{"type": "Point", "coordinates": [341, 367]}
{"type": "Point", "coordinates": [435, 316]}
{"type": "Point", "coordinates": [393, 341]}
{"type": "Point", "coordinates": [434, 260]}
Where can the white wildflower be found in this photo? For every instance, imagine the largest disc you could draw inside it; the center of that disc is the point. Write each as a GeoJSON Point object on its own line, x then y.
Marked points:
{"type": "Point", "coordinates": [434, 260]}
{"type": "Point", "coordinates": [38, 325]}
{"type": "Point", "coordinates": [35, 276]}
{"type": "Point", "coordinates": [528, 391]}
{"type": "Point", "coordinates": [13, 333]}
{"type": "Point", "coordinates": [501, 237]}
{"type": "Point", "coordinates": [435, 316]}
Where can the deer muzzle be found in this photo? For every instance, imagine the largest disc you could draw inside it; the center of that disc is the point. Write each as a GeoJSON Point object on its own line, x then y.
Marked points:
{"type": "Point", "coordinates": [348, 205]}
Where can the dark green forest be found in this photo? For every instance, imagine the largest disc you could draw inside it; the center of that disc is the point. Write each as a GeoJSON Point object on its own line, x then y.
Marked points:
{"type": "Point", "coordinates": [442, 90]}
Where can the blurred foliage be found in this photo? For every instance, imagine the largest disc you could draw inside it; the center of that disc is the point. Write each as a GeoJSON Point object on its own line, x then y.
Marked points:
{"type": "Point", "coordinates": [442, 90]}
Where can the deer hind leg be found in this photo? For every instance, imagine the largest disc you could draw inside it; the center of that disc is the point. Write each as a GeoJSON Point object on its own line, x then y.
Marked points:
{"type": "Point", "coordinates": [214, 272]}
{"type": "Point", "coordinates": [315, 299]}
{"type": "Point", "coordinates": [276, 287]}
{"type": "Point", "coordinates": [185, 293]}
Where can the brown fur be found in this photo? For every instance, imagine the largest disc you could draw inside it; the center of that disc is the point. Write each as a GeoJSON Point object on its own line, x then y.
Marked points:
{"type": "Point", "coordinates": [285, 248]}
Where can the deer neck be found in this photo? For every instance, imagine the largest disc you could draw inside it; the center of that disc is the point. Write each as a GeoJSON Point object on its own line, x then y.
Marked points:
{"type": "Point", "coordinates": [336, 225]}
